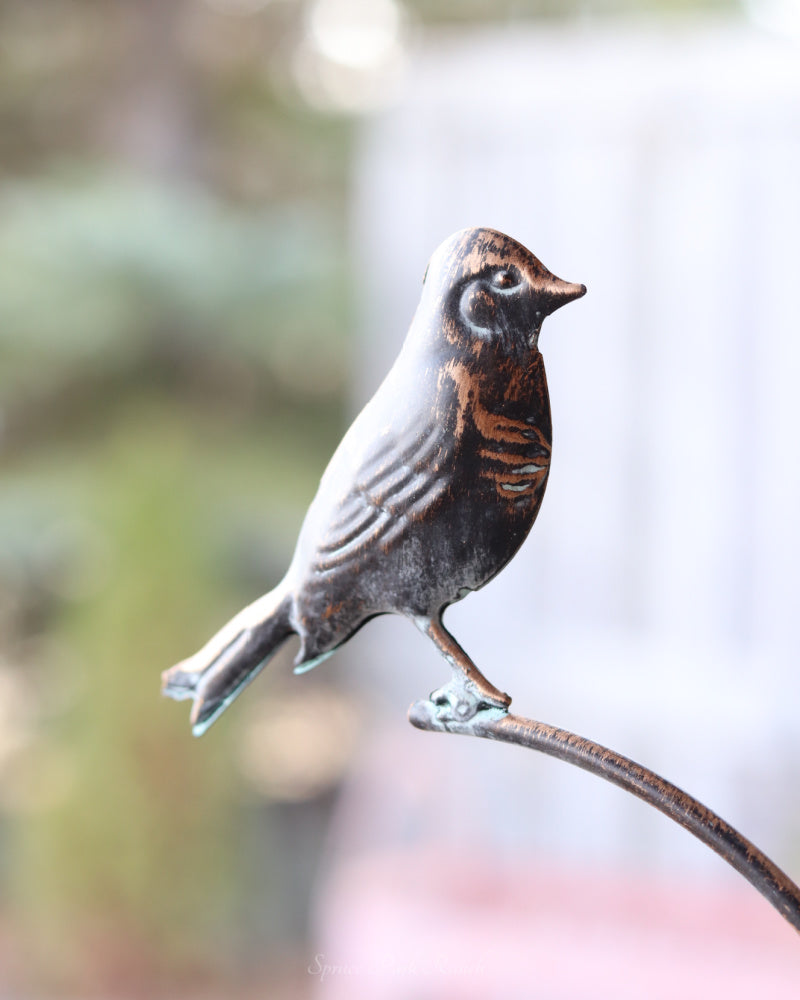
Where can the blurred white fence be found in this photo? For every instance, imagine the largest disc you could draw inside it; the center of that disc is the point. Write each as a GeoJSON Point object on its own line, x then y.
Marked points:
{"type": "Point", "coordinates": [655, 606]}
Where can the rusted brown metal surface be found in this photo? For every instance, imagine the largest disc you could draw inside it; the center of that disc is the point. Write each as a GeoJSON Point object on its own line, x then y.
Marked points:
{"type": "Point", "coordinates": [432, 490]}
{"type": "Point", "coordinates": [774, 884]}
{"type": "Point", "coordinates": [430, 493]}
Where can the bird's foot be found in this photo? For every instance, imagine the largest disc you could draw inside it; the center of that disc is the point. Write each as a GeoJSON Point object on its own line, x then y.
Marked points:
{"type": "Point", "coordinates": [460, 701]}
{"type": "Point", "coordinates": [458, 704]}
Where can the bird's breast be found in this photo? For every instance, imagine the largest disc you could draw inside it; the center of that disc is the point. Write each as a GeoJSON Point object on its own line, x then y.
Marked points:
{"type": "Point", "coordinates": [503, 427]}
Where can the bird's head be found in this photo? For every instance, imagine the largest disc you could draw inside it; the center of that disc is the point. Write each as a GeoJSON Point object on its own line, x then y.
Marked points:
{"type": "Point", "coordinates": [487, 290]}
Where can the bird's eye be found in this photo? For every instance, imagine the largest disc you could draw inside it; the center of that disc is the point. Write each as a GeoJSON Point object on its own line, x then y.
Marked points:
{"type": "Point", "coordinates": [505, 278]}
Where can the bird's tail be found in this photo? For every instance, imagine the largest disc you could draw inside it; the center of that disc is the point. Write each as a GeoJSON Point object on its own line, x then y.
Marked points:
{"type": "Point", "coordinates": [216, 674]}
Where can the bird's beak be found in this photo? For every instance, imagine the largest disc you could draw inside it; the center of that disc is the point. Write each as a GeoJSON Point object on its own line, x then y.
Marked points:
{"type": "Point", "coordinates": [558, 293]}
{"type": "Point", "coordinates": [555, 294]}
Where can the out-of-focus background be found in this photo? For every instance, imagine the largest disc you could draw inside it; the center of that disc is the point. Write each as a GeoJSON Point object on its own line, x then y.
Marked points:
{"type": "Point", "coordinates": [214, 220]}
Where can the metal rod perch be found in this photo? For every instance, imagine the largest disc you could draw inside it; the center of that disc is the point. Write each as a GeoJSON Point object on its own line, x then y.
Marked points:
{"type": "Point", "coordinates": [497, 724]}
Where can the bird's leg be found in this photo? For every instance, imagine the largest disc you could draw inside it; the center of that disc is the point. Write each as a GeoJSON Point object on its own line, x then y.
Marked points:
{"type": "Point", "coordinates": [469, 692]}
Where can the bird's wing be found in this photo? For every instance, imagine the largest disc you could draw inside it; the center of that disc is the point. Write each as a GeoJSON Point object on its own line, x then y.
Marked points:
{"type": "Point", "coordinates": [368, 496]}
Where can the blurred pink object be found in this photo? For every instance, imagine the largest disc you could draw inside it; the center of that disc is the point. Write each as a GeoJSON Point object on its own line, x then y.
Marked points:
{"type": "Point", "coordinates": [439, 925]}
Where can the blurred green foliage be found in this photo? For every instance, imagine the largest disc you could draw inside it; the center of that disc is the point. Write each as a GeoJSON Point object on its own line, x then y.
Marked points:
{"type": "Point", "coordinates": [173, 342]}
{"type": "Point", "coordinates": [170, 369]}
{"type": "Point", "coordinates": [160, 436]}
{"type": "Point", "coordinates": [146, 415]}
{"type": "Point", "coordinates": [104, 271]}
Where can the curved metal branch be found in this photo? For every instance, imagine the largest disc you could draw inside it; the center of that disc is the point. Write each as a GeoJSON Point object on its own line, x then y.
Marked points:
{"type": "Point", "coordinates": [712, 830]}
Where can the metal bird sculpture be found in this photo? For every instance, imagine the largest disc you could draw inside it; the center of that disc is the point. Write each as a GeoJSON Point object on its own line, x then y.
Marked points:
{"type": "Point", "coordinates": [431, 492]}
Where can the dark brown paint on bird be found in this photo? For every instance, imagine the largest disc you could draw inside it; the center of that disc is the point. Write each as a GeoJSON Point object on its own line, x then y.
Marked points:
{"type": "Point", "coordinates": [431, 491]}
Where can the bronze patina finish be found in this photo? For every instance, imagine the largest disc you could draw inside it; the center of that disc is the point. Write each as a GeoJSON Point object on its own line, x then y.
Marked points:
{"type": "Point", "coordinates": [430, 493]}
{"type": "Point", "coordinates": [774, 884]}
